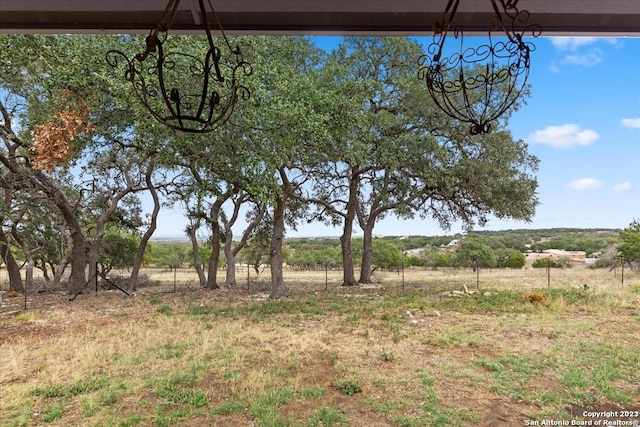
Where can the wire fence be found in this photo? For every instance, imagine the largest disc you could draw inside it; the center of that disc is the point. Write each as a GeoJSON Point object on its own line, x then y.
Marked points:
{"type": "Point", "coordinates": [317, 280]}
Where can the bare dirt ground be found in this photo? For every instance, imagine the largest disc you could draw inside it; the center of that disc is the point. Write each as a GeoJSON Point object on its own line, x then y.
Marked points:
{"type": "Point", "coordinates": [421, 358]}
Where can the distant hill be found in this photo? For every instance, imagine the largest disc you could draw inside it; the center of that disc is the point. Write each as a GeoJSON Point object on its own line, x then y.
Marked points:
{"type": "Point", "coordinates": [588, 240]}
{"type": "Point", "coordinates": [169, 239]}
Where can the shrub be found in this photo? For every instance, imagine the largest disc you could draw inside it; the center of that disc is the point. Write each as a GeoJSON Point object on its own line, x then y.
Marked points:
{"type": "Point", "coordinates": [536, 298]}
{"type": "Point", "coordinates": [348, 387]}
{"type": "Point", "coordinates": [560, 262]}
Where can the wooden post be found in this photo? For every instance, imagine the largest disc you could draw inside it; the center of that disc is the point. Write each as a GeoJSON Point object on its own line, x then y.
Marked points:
{"type": "Point", "coordinates": [402, 254]}
{"type": "Point", "coordinates": [26, 288]}
{"type": "Point", "coordinates": [549, 272]}
{"type": "Point", "coordinates": [326, 276]}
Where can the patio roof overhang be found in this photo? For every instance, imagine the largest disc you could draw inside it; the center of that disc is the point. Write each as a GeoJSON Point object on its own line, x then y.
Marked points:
{"type": "Point", "coordinates": [318, 17]}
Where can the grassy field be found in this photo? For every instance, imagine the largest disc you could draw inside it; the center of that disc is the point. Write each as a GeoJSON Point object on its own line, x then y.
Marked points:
{"type": "Point", "coordinates": [514, 353]}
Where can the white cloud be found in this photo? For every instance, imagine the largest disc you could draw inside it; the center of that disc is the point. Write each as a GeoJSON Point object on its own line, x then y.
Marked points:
{"type": "Point", "coordinates": [585, 60]}
{"type": "Point", "coordinates": [572, 43]}
{"type": "Point", "coordinates": [580, 51]}
{"type": "Point", "coordinates": [564, 136]}
{"type": "Point", "coordinates": [631, 123]}
{"type": "Point", "coordinates": [586, 184]}
{"type": "Point", "coordinates": [623, 187]}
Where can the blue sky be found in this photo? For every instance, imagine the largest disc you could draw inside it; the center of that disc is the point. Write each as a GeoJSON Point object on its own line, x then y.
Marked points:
{"type": "Point", "coordinates": [582, 121]}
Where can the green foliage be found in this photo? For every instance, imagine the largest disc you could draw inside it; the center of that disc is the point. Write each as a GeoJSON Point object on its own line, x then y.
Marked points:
{"type": "Point", "coordinates": [589, 241]}
{"type": "Point", "coordinates": [551, 262]}
{"type": "Point", "coordinates": [630, 242]}
{"type": "Point", "coordinates": [474, 252]}
{"type": "Point", "coordinates": [171, 255]}
{"type": "Point", "coordinates": [316, 257]}
{"type": "Point", "coordinates": [386, 255]}
{"type": "Point", "coordinates": [256, 252]}
{"type": "Point", "coordinates": [348, 387]}
{"type": "Point", "coordinates": [435, 257]}
{"type": "Point", "coordinates": [509, 258]}
{"type": "Point", "coordinates": [544, 263]}
{"type": "Point", "coordinates": [118, 249]}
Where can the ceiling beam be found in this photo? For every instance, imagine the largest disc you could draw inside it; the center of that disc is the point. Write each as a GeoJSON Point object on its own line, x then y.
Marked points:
{"type": "Point", "coordinates": [377, 17]}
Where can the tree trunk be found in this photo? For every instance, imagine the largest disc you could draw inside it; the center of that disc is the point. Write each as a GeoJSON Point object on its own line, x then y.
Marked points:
{"type": "Point", "coordinates": [92, 254]}
{"type": "Point", "coordinates": [197, 263]}
{"type": "Point", "coordinates": [78, 255]}
{"type": "Point", "coordinates": [212, 279]}
{"type": "Point", "coordinates": [28, 255]}
{"type": "Point", "coordinates": [137, 263]}
{"type": "Point", "coordinates": [15, 278]}
{"type": "Point", "coordinates": [230, 251]}
{"type": "Point", "coordinates": [278, 289]}
{"type": "Point", "coordinates": [45, 272]}
{"type": "Point", "coordinates": [216, 235]}
{"type": "Point", "coordinates": [101, 223]}
{"type": "Point", "coordinates": [366, 268]}
{"type": "Point", "coordinates": [230, 257]}
{"type": "Point", "coordinates": [64, 261]}
{"type": "Point", "coordinates": [349, 277]}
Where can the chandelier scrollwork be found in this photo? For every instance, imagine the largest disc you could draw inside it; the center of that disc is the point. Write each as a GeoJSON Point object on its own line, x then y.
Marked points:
{"type": "Point", "coordinates": [479, 84]}
{"type": "Point", "coordinates": [182, 91]}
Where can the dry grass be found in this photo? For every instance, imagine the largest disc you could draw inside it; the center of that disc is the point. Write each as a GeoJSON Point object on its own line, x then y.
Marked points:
{"type": "Point", "coordinates": [377, 356]}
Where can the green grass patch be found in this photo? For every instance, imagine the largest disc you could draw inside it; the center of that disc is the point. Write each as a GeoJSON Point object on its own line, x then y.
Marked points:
{"type": "Point", "coordinates": [49, 391]}
{"type": "Point", "coordinates": [172, 350]}
{"type": "Point", "coordinates": [434, 413]}
{"type": "Point", "coordinates": [168, 419]}
{"type": "Point", "coordinates": [88, 385]}
{"type": "Point", "coordinates": [313, 392]}
{"type": "Point", "coordinates": [514, 301]}
{"type": "Point", "coordinates": [512, 375]}
{"type": "Point", "coordinates": [165, 309]}
{"type": "Point", "coordinates": [179, 388]}
{"type": "Point", "coordinates": [227, 408]}
{"type": "Point", "coordinates": [24, 317]}
{"type": "Point", "coordinates": [265, 409]}
{"type": "Point", "coordinates": [180, 395]}
{"type": "Point", "coordinates": [609, 368]}
{"type": "Point", "coordinates": [131, 420]}
{"type": "Point", "coordinates": [52, 413]}
{"type": "Point", "coordinates": [325, 417]}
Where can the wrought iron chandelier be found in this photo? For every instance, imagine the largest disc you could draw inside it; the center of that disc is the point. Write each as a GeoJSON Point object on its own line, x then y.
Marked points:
{"type": "Point", "coordinates": [479, 84]}
{"type": "Point", "coordinates": [209, 87]}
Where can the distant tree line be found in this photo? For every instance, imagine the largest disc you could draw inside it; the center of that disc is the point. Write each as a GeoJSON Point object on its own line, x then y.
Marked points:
{"type": "Point", "coordinates": [479, 249]}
